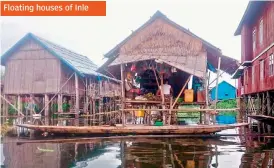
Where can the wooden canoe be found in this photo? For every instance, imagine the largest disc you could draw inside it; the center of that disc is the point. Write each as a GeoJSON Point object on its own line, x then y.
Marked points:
{"type": "Point", "coordinates": [263, 118]}
{"type": "Point", "coordinates": [132, 129]}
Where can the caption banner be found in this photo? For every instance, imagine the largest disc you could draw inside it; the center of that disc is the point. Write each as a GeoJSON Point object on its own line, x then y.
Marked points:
{"type": "Point", "coordinates": [53, 8]}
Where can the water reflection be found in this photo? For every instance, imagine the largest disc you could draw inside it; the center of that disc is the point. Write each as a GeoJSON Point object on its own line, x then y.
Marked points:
{"type": "Point", "coordinates": [140, 153]}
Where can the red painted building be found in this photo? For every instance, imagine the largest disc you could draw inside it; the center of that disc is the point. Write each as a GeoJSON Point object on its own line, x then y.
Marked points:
{"type": "Point", "coordinates": [256, 73]}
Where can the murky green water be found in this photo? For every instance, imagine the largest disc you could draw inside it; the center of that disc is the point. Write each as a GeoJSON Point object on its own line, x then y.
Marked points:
{"type": "Point", "coordinates": [225, 152]}
{"type": "Point", "coordinates": [142, 152]}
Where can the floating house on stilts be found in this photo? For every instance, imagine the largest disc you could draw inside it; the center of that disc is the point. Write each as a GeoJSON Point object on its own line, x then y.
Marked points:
{"type": "Point", "coordinates": [163, 70]}
{"type": "Point", "coordinates": [256, 73]}
{"type": "Point", "coordinates": [45, 78]}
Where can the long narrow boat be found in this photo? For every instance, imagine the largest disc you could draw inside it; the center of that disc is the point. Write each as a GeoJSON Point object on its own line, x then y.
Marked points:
{"type": "Point", "coordinates": [132, 129]}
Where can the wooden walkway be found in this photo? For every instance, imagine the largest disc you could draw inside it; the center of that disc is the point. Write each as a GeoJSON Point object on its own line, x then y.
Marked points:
{"type": "Point", "coordinates": [263, 118]}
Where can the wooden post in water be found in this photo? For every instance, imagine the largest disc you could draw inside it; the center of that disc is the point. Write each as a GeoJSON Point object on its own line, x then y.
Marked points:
{"type": "Point", "coordinates": [216, 92]}
{"type": "Point", "coordinates": [207, 78]}
{"type": "Point", "coordinates": [86, 97]}
{"type": "Point", "coordinates": [259, 112]}
{"type": "Point", "coordinates": [268, 107]}
{"type": "Point", "coordinates": [4, 107]}
{"type": "Point", "coordinates": [19, 104]}
{"type": "Point", "coordinates": [47, 107]}
{"type": "Point", "coordinates": [123, 93]}
{"type": "Point", "coordinates": [60, 102]}
{"type": "Point", "coordinates": [76, 96]}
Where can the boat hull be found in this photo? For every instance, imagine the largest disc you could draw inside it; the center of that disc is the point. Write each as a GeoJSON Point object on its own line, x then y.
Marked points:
{"type": "Point", "coordinates": [132, 129]}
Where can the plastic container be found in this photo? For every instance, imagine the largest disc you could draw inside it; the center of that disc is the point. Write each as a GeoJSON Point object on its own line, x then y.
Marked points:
{"type": "Point", "coordinates": [139, 113]}
{"type": "Point", "coordinates": [189, 95]}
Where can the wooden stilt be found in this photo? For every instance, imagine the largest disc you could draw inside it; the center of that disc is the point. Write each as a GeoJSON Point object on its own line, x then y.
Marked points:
{"type": "Point", "coordinates": [268, 102]}
{"type": "Point", "coordinates": [11, 105]}
{"type": "Point", "coordinates": [216, 92]}
{"type": "Point", "coordinates": [170, 108]}
{"type": "Point", "coordinates": [268, 108]}
{"type": "Point", "coordinates": [123, 93]}
{"type": "Point", "coordinates": [93, 111]}
{"type": "Point", "coordinates": [258, 112]}
{"type": "Point", "coordinates": [46, 102]}
{"type": "Point", "coordinates": [86, 97]}
{"type": "Point", "coordinates": [4, 107]}
{"type": "Point", "coordinates": [206, 116]}
{"type": "Point", "coordinates": [60, 103]}
{"type": "Point", "coordinates": [77, 96]}
{"type": "Point", "coordinates": [19, 104]}
{"type": "Point", "coordinates": [163, 98]}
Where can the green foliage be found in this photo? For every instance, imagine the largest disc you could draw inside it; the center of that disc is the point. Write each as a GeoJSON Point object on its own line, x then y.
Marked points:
{"type": "Point", "coordinates": [227, 104]}
{"type": "Point", "coordinates": [54, 107]}
{"type": "Point", "coordinates": [193, 114]}
{"type": "Point", "coordinates": [65, 107]}
{"type": "Point", "coordinates": [11, 110]}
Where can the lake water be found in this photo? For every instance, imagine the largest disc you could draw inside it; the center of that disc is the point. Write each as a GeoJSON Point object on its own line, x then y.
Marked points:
{"type": "Point", "coordinates": [143, 152]}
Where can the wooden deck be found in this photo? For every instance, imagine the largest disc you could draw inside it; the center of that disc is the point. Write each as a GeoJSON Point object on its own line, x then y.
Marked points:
{"type": "Point", "coordinates": [263, 118]}
{"type": "Point", "coordinates": [133, 129]}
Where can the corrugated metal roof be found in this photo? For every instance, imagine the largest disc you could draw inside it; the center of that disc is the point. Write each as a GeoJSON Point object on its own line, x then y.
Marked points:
{"type": "Point", "coordinates": [80, 62]}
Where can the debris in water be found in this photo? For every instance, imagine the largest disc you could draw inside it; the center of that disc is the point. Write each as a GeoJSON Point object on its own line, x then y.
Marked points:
{"type": "Point", "coordinates": [45, 150]}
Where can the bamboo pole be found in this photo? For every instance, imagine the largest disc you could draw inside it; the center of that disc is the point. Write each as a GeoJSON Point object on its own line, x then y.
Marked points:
{"type": "Point", "coordinates": [207, 97]}
{"type": "Point", "coordinates": [57, 92]}
{"type": "Point", "coordinates": [163, 98]}
{"type": "Point", "coordinates": [169, 112]}
{"type": "Point", "coordinates": [216, 77]}
{"type": "Point", "coordinates": [123, 93]}
{"type": "Point", "coordinates": [46, 102]}
{"type": "Point", "coordinates": [60, 102]}
{"type": "Point", "coordinates": [19, 103]}
{"type": "Point", "coordinates": [77, 108]}
{"type": "Point", "coordinates": [185, 110]}
{"type": "Point", "coordinates": [181, 92]}
{"type": "Point", "coordinates": [216, 92]}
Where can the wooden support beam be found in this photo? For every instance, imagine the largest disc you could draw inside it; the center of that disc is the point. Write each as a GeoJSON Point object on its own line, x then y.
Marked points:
{"type": "Point", "coordinates": [4, 107]}
{"type": "Point", "coordinates": [76, 95]}
{"type": "Point", "coordinates": [86, 98]}
{"type": "Point", "coordinates": [123, 93]}
{"type": "Point", "coordinates": [183, 110]}
{"type": "Point", "coordinates": [176, 100]}
{"type": "Point", "coordinates": [207, 78]}
{"type": "Point", "coordinates": [12, 105]}
{"type": "Point", "coordinates": [268, 108]}
{"type": "Point", "coordinates": [19, 105]}
{"type": "Point", "coordinates": [60, 103]}
{"type": "Point", "coordinates": [217, 83]}
{"type": "Point", "coordinates": [268, 102]}
{"type": "Point", "coordinates": [57, 92]}
{"type": "Point", "coordinates": [45, 103]}
{"type": "Point", "coordinates": [163, 98]}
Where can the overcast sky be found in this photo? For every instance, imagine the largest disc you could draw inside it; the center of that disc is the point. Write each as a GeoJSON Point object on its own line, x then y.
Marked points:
{"type": "Point", "coordinates": [212, 20]}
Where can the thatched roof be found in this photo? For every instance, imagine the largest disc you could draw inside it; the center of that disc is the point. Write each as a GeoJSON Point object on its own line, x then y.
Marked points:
{"type": "Point", "coordinates": [180, 48]}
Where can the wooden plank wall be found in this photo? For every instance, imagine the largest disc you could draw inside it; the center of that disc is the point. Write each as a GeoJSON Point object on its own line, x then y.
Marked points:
{"type": "Point", "coordinates": [31, 69]}
{"type": "Point", "coordinates": [267, 83]}
{"type": "Point", "coordinates": [69, 88]}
